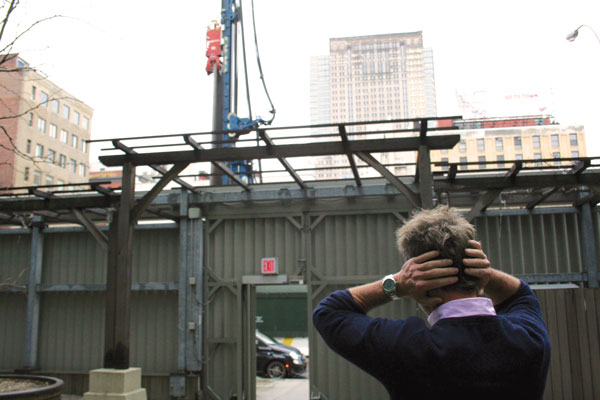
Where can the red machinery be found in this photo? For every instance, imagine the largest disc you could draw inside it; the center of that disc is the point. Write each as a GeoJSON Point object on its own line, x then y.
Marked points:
{"type": "Point", "coordinates": [213, 47]}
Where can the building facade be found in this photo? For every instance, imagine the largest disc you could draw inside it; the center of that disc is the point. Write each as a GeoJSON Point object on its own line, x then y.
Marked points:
{"type": "Point", "coordinates": [506, 140]}
{"type": "Point", "coordinates": [376, 77]}
{"type": "Point", "coordinates": [44, 129]}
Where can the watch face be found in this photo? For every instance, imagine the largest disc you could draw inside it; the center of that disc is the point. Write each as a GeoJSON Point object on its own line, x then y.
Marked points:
{"type": "Point", "coordinates": [389, 285]}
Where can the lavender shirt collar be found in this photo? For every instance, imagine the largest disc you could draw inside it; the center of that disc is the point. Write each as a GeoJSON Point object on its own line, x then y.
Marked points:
{"type": "Point", "coordinates": [462, 308]}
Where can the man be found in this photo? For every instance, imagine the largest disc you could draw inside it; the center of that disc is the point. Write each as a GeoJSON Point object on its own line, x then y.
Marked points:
{"type": "Point", "coordinates": [476, 347]}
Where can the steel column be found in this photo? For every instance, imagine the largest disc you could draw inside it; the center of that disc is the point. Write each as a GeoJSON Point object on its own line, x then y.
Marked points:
{"type": "Point", "coordinates": [183, 282]}
{"type": "Point", "coordinates": [588, 244]}
{"type": "Point", "coordinates": [425, 177]}
{"type": "Point", "coordinates": [33, 297]}
{"type": "Point", "coordinates": [195, 291]}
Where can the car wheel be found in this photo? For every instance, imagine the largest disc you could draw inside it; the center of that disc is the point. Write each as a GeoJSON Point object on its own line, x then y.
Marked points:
{"type": "Point", "coordinates": [276, 370]}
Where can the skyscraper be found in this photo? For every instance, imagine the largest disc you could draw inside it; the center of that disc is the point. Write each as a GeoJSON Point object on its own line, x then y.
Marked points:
{"type": "Point", "coordinates": [375, 77]}
{"type": "Point", "coordinates": [44, 130]}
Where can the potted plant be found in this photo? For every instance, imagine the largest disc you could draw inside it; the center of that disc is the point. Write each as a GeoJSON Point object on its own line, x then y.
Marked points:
{"type": "Point", "coordinates": [31, 387]}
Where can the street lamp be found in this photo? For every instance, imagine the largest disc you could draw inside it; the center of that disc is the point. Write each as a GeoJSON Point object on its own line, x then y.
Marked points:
{"type": "Point", "coordinates": [573, 35]}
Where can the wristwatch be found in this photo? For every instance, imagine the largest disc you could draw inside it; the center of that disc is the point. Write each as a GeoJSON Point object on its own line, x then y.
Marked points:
{"type": "Point", "coordinates": [389, 287]}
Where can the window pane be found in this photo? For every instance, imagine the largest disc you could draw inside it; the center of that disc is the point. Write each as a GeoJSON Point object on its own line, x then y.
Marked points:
{"type": "Point", "coordinates": [481, 158]}
{"type": "Point", "coordinates": [73, 166]}
{"type": "Point", "coordinates": [573, 139]}
{"type": "Point", "coordinates": [51, 156]}
{"type": "Point", "coordinates": [39, 150]}
{"type": "Point", "coordinates": [499, 144]}
{"type": "Point", "coordinates": [518, 144]}
{"type": "Point", "coordinates": [74, 141]}
{"type": "Point", "coordinates": [42, 125]}
{"type": "Point", "coordinates": [554, 139]}
{"type": "Point", "coordinates": [480, 144]}
{"type": "Point", "coordinates": [43, 102]}
{"type": "Point", "coordinates": [462, 146]}
{"type": "Point", "coordinates": [75, 117]}
{"type": "Point", "coordinates": [536, 142]}
{"type": "Point", "coordinates": [64, 136]}
{"type": "Point", "coordinates": [500, 158]}
{"type": "Point", "coordinates": [66, 112]}
{"type": "Point", "coordinates": [86, 123]}
{"type": "Point", "coordinates": [462, 161]}
{"type": "Point", "coordinates": [52, 132]}
{"type": "Point", "coordinates": [54, 106]}
{"type": "Point", "coordinates": [37, 178]}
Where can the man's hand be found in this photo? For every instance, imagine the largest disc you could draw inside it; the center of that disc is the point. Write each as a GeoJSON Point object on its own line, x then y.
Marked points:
{"type": "Point", "coordinates": [421, 274]}
{"type": "Point", "coordinates": [477, 265]}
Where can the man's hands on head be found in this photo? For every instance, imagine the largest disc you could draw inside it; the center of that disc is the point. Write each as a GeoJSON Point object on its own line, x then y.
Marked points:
{"type": "Point", "coordinates": [477, 264]}
{"type": "Point", "coordinates": [421, 274]}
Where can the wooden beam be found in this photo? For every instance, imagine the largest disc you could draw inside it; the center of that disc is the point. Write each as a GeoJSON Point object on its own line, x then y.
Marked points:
{"type": "Point", "coordinates": [145, 201]}
{"type": "Point", "coordinates": [344, 136]}
{"type": "Point", "coordinates": [281, 151]}
{"type": "Point", "coordinates": [189, 140]}
{"type": "Point", "coordinates": [484, 201]}
{"type": "Point", "coordinates": [398, 184]}
{"type": "Point", "coordinates": [84, 220]}
{"type": "Point", "coordinates": [270, 147]}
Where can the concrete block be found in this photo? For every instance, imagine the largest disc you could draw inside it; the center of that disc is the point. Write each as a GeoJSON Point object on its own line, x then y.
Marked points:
{"type": "Point", "coordinates": [116, 384]}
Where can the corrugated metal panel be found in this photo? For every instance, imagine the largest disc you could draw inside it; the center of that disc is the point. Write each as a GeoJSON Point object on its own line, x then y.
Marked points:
{"type": "Point", "coordinates": [237, 246]}
{"type": "Point", "coordinates": [154, 331]}
{"type": "Point", "coordinates": [12, 330]}
{"type": "Point", "coordinates": [155, 255]}
{"type": "Point", "coordinates": [72, 257]}
{"type": "Point", "coordinates": [532, 244]}
{"type": "Point", "coordinates": [355, 245]}
{"type": "Point", "coordinates": [15, 253]}
{"type": "Point", "coordinates": [573, 320]}
{"type": "Point", "coordinates": [71, 335]}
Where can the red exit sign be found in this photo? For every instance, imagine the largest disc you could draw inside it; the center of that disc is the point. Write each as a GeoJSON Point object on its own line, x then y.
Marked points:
{"type": "Point", "coordinates": [268, 266]}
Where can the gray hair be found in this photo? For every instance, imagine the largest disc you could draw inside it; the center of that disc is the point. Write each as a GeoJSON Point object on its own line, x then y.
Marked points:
{"type": "Point", "coordinates": [442, 229]}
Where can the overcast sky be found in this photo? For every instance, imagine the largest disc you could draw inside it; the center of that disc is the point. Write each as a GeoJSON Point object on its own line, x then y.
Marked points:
{"type": "Point", "coordinates": [140, 64]}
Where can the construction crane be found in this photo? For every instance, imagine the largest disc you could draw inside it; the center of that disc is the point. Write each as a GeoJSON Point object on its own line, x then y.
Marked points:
{"type": "Point", "coordinates": [221, 51]}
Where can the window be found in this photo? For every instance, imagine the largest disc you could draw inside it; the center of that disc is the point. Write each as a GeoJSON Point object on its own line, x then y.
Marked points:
{"type": "Point", "coordinates": [33, 89]}
{"type": "Point", "coordinates": [518, 144]}
{"type": "Point", "coordinates": [74, 141]}
{"type": "Point", "coordinates": [86, 123]}
{"type": "Point", "coordinates": [39, 150]}
{"type": "Point", "coordinates": [49, 180]}
{"type": "Point", "coordinates": [73, 166]}
{"type": "Point", "coordinates": [26, 174]}
{"type": "Point", "coordinates": [480, 144]}
{"type": "Point", "coordinates": [52, 132]}
{"type": "Point", "coordinates": [84, 146]}
{"type": "Point", "coordinates": [573, 139]}
{"type": "Point", "coordinates": [64, 136]}
{"type": "Point", "coordinates": [556, 156]}
{"type": "Point", "coordinates": [62, 161]}
{"type": "Point", "coordinates": [44, 100]}
{"type": "Point", "coordinates": [60, 182]}
{"type": "Point", "coordinates": [575, 154]}
{"type": "Point", "coordinates": [500, 158]}
{"type": "Point", "coordinates": [28, 146]}
{"type": "Point", "coordinates": [518, 156]}
{"type": "Point", "coordinates": [537, 156]}
{"type": "Point", "coordinates": [462, 146]}
{"type": "Point", "coordinates": [554, 140]}
{"type": "Point", "coordinates": [76, 118]}
{"type": "Point", "coordinates": [30, 119]}
{"type": "Point", "coordinates": [42, 125]}
{"type": "Point", "coordinates": [499, 144]}
{"type": "Point", "coordinates": [51, 156]}
{"type": "Point", "coordinates": [37, 178]}
{"type": "Point", "coordinates": [444, 151]}
{"type": "Point", "coordinates": [445, 167]}
{"type": "Point", "coordinates": [82, 169]}
{"type": "Point", "coordinates": [482, 158]}
{"type": "Point", "coordinates": [66, 111]}
{"type": "Point", "coordinates": [463, 160]}
{"type": "Point", "coordinates": [536, 141]}
{"type": "Point", "coordinates": [54, 106]}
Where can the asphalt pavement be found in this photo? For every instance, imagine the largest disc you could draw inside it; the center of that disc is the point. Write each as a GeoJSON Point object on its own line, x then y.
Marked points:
{"type": "Point", "coordinates": [276, 389]}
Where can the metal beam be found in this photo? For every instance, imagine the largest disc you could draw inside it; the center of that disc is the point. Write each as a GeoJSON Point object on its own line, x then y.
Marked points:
{"type": "Point", "coordinates": [588, 244]}
{"type": "Point", "coordinates": [92, 228]}
{"type": "Point", "coordinates": [41, 193]}
{"type": "Point", "coordinates": [281, 151]}
{"type": "Point", "coordinates": [344, 135]}
{"type": "Point", "coordinates": [376, 165]}
{"type": "Point", "coordinates": [145, 201]}
{"type": "Point", "coordinates": [514, 170]}
{"type": "Point", "coordinates": [579, 167]}
{"type": "Point", "coordinates": [33, 299]}
{"type": "Point", "coordinates": [271, 146]}
{"type": "Point", "coordinates": [534, 180]}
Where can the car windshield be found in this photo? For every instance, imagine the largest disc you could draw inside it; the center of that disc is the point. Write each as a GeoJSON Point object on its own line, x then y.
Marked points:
{"type": "Point", "coordinates": [266, 339]}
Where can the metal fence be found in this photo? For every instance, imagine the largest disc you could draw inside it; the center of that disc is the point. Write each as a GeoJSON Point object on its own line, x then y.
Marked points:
{"type": "Point", "coordinates": [191, 311]}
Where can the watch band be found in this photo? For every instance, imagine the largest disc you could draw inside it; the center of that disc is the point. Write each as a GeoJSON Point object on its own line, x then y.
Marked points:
{"type": "Point", "coordinates": [389, 287]}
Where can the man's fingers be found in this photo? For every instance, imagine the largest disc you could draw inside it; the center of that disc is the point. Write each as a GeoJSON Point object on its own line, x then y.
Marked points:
{"type": "Point", "coordinates": [433, 264]}
{"type": "Point", "coordinates": [476, 262]}
{"type": "Point", "coordinates": [425, 256]}
{"type": "Point", "coordinates": [436, 273]}
{"type": "Point", "coordinates": [475, 253]}
{"type": "Point", "coordinates": [475, 244]}
{"type": "Point", "coordinates": [436, 283]}
{"type": "Point", "coordinates": [478, 272]}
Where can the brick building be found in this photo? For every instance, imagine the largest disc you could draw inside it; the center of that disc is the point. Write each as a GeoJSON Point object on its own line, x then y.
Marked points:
{"type": "Point", "coordinates": [44, 130]}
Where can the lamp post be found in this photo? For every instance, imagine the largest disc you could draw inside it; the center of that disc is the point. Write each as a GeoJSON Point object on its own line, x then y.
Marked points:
{"type": "Point", "coordinates": [573, 35]}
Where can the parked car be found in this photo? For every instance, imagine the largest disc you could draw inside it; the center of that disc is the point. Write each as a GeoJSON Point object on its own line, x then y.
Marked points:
{"type": "Point", "coordinates": [276, 360]}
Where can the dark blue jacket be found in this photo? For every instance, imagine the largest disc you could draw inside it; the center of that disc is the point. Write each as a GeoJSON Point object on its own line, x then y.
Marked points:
{"type": "Point", "coordinates": [482, 357]}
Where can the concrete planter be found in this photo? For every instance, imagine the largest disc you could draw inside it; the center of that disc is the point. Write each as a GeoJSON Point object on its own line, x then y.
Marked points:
{"type": "Point", "coordinates": [51, 390]}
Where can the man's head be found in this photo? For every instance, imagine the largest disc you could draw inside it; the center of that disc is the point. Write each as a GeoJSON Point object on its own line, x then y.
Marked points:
{"type": "Point", "coordinates": [442, 229]}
